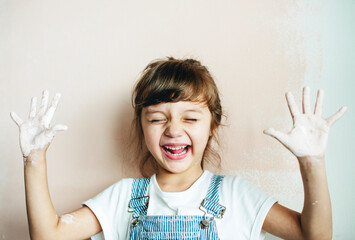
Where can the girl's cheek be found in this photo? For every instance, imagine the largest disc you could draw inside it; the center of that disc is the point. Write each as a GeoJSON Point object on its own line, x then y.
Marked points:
{"type": "Point", "coordinates": [203, 129]}
{"type": "Point", "coordinates": [153, 135]}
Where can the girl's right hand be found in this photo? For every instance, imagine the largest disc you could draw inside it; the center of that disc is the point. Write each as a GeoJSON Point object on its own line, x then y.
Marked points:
{"type": "Point", "coordinates": [36, 133]}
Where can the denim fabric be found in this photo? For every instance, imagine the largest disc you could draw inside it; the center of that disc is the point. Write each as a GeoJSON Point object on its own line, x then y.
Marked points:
{"type": "Point", "coordinates": [176, 226]}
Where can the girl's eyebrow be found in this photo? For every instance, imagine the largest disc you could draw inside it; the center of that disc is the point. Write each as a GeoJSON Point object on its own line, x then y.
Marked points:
{"type": "Point", "coordinates": [157, 111]}
{"type": "Point", "coordinates": [152, 111]}
{"type": "Point", "coordinates": [194, 110]}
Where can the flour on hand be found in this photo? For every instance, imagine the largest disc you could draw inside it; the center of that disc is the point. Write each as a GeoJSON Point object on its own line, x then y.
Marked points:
{"type": "Point", "coordinates": [309, 134]}
{"type": "Point", "coordinates": [36, 132]}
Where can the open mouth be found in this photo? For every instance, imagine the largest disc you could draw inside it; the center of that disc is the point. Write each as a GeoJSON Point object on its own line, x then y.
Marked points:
{"type": "Point", "coordinates": [176, 152]}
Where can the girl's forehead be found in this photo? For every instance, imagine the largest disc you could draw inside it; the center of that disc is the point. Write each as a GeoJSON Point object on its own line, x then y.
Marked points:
{"type": "Point", "coordinates": [178, 106]}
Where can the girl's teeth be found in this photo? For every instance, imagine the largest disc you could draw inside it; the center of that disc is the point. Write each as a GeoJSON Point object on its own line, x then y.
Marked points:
{"type": "Point", "coordinates": [171, 150]}
{"type": "Point", "coordinates": [178, 148]}
{"type": "Point", "coordinates": [177, 154]}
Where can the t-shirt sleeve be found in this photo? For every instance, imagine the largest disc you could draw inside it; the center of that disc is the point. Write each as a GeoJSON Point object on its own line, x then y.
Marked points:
{"type": "Point", "coordinates": [110, 208]}
{"type": "Point", "coordinates": [247, 206]}
{"type": "Point", "coordinates": [257, 232]}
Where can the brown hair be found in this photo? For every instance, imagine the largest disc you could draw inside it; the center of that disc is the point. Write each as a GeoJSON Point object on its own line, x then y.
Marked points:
{"type": "Point", "coordinates": [173, 80]}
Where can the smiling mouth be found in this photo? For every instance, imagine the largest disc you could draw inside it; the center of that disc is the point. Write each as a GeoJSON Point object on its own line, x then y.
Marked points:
{"type": "Point", "coordinates": [176, 152]}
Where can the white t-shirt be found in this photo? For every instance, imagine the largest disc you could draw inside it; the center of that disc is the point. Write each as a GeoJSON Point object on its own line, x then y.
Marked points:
{"type": "Point", "coordinates": [246, 207]}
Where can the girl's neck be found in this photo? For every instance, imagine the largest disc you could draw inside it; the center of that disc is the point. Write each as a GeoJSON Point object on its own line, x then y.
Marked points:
{"type": "Point", "coordinates": [177, 182]}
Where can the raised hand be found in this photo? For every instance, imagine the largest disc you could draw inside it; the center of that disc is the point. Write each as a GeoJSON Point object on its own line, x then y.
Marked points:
{"type": "Point", "coordinates": [309, 135]}
{"type": "Point", "coordinates": [36, 132]}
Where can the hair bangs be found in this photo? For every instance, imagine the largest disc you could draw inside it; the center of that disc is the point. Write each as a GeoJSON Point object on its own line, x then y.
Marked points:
{"type": "Point", "coordinates": [173, 83]}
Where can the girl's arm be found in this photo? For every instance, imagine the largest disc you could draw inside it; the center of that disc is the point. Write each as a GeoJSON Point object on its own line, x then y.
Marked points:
{"type": "Point", "coordinates": [307, 141]}
{"type": "Point", "coordinates": [315, 221]}
{"type": "Point", "coordinates": [44, 223]}
{"type": "Point", "coordinates": [35, 137]}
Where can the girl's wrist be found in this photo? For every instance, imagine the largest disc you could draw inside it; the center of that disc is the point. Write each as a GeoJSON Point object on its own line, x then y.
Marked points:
{"type": "Point", "coordinates": [35, 157]}
{"type": "Point", "coordinates": [311, 164]}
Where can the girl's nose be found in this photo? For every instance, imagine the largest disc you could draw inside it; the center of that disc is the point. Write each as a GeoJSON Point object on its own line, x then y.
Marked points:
{"type": "Point", "coordinates": [173, 129]}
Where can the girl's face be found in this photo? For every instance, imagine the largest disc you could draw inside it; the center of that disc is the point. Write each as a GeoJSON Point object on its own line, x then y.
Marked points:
{"type": "Point", "coordinates": [176, 134]}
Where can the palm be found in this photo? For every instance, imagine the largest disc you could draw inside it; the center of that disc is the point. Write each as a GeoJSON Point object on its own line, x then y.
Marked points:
{"type": "Point", "coordinates": [35, 132]}
{"type": "Point", "coordinates": [32, 135]}
{"type": "Point", "coordinates": [309, 134]}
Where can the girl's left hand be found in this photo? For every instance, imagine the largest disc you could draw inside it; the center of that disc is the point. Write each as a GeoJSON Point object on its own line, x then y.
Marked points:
{"type": "Point", "coordinates": [309, 135]}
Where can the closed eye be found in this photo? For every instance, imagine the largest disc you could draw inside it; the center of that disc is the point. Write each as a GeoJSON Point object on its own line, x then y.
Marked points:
{"type": "Point", "coordinates": [191, 119]}
{"type": "Point", "coordinates": [156, 120]}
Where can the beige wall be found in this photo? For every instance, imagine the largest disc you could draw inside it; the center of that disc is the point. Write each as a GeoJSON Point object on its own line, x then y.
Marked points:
{"type": "Point", "coordinates": [93, 51]}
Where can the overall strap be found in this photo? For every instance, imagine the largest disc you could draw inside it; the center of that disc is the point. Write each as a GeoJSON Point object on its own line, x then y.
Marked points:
{"type": "Point", "coordinates": [211, 202]}
{"type": "Point", "coordinates": [139, 199]}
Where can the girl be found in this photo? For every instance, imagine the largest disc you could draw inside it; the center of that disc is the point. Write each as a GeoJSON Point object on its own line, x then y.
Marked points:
{"type": "Point", "coordinates": [177, 114]}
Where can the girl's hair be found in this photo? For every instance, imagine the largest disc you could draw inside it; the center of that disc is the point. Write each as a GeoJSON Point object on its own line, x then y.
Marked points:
{"type": "Point", "coordinates": [173, 80]}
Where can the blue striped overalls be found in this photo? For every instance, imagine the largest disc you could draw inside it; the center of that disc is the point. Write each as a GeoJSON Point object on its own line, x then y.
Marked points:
{"type": "Point", "coordinates": [174, 227]}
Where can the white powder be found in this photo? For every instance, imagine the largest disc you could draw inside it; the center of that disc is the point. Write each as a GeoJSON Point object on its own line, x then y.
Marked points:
{"type": "Point", "coordinates": [314, 203]}
{"type": "Point", "coordinates": [67, 218]}
{"type": "Point", "coordinates": [35, 132]}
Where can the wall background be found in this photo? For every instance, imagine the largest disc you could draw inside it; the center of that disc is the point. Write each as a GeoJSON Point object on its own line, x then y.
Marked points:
{"type": "Point", "coordinates": [93, 51]}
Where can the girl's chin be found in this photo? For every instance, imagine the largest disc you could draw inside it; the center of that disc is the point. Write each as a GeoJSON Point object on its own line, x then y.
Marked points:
{"type": "Point", "coordinates": [176, 167]}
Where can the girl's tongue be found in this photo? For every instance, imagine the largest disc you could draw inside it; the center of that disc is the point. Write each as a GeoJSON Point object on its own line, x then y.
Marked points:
{"type": "Point", "coordinates": [176, 151]}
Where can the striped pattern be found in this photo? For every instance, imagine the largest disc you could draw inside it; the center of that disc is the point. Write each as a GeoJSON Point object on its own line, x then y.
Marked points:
{"type": "Point", "coordinates": [173, 227]}
{"type": "Point", "coordinates": [139, 198]}
{"type": "Point", "coordinates": [211, 202]}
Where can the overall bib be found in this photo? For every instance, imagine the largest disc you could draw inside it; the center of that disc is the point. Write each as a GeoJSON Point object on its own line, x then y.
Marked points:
{"type": "Point", "coordinates": [174, 227]}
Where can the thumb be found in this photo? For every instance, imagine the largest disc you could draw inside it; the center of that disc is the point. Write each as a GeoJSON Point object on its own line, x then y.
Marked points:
{"type": "Point", "coordinates": [50, 133]}
{"type": "Point", "coordinates": [60, 127]}
{"type": "Point", "coordinates": [16, 118]}
{"type": "Point", "coordinates": [280, 136]}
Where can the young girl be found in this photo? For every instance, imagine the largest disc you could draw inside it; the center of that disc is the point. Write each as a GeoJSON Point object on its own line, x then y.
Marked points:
{"type": "Point", "coordinates": [177, 114]}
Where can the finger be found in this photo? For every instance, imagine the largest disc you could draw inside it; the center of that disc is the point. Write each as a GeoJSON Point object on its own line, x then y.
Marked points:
{"type": "Point", "coordinates": [332, 119]}
{"type": "Point", "coordinates": [33, 108]}
{"type": "Point", "coordinates": [50, 133]}
{"type": "Point", "coordinates": [60, 127]}
{"type": "Point", "coordinates": [306, 101]}
{"type": "Point", "coordinates": [47, 118]}
{"type": "Point", "coordinates": [292, 104]}
{"type": "Point", "coordinates": [280, 136]}
{"type": "Point", "coordinates": [16, 118]}
{"type": "Point", "coordinates": [44, 103]}
{"type": "Point", "coordinates": [319, 103]}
